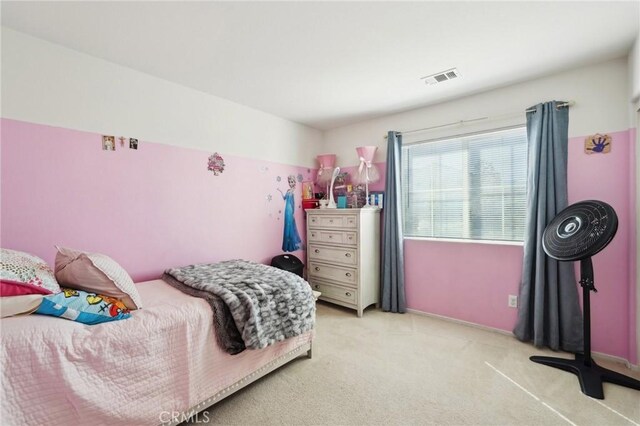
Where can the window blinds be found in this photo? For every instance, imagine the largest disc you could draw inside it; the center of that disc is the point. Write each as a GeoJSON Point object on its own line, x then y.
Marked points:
{"type": "Point", "coordinates": [471, 187]}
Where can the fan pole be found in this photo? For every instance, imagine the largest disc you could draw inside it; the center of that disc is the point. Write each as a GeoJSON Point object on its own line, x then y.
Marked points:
{"type": "Point", "coordinates": [587, 283]}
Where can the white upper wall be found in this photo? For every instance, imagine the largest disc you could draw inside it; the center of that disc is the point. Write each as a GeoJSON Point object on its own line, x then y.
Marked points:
{"type": "Point", "coordinates": [600, 93]}
{"type": "Point", "coordinates": [49, 84]}
{"type": "Point", "coordinates": [634, 70]}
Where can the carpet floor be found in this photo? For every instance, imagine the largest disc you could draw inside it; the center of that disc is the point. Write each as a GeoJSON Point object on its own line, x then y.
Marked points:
{"type": "Point", "coordinates": [387, 369]}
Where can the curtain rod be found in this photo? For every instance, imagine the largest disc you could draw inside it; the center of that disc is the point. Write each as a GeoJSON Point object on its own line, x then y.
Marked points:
{"type": "Point", "coordinates": [463, 135]}
{"type": "Point", "coordinates": [473, 120]}
{"type": "Point", "coordinates": [559, 105]}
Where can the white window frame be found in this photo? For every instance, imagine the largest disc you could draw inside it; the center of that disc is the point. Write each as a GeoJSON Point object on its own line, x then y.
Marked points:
{"type": "Point", "coordinates": [465, 212]}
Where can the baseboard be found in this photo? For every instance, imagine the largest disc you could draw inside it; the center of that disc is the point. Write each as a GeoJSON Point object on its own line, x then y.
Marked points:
{"type": "Point", "coordinates": [617, 360]}
{"type": "Point", "coordinates": [459, 321]}
{"type": "Point", "coordinates": [597, 355]}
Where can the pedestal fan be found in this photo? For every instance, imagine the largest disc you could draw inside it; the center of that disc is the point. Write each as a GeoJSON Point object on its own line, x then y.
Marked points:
{"type": "Point", "coordinates": [577, 233]}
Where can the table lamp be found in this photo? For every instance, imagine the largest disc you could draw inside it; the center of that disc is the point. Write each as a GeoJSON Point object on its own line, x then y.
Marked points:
{"type": "Point", "coordinates": [367, 171]}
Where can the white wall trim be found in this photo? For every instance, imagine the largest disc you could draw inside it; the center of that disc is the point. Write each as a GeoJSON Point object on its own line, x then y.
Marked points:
{"type": "Point", "coordinates": [599, 355]}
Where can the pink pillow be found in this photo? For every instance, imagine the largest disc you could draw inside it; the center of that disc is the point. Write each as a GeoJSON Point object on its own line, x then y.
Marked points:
{"type": "Point", "coordinates": [14, 288]}
{"type": "Point", "coordinates": [25, 268]}
{"type": "Point", "coordinates": [96, 273]}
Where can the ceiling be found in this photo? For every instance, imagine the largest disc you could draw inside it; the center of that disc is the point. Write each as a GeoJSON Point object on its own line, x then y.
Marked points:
{"type": "Point", "coordinates": [327, 64]}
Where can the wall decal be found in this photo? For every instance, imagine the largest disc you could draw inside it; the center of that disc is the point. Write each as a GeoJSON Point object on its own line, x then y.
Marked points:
{"type": "Point", "coordinates": [597, 144]}
{"type": "Point", "coordinates": [216, 164]}
{"type": "Point", "coordinates": [108, 143]}
{"type": "Point", "coordinates": [278, 179]}
{"type": "Point", "coordinates": [300, 177]}
{"type": "Point", "coordinates": [290, 238]}
{"type": "Point", "coordinates": [133, 143]}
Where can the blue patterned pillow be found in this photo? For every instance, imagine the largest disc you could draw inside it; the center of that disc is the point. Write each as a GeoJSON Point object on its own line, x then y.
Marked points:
{"type": "Point", "coordinates": [84, 307]}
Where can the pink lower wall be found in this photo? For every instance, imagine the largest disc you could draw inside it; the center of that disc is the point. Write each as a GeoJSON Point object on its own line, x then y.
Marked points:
{"type": "Point", "coordinates": [609, 177]}
{"type": "Point", "coordinates": [150, 209]}
{"type": "Point", "coordinates": [472, 281]}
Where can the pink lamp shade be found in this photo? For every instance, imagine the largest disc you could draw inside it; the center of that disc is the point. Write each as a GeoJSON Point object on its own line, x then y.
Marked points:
{"type": "Point", "coordinates": [367, 152]}
{"type": "Point", "coordinates": [367, 171]}
{"type": "Point", "coordinates": [326, 162]}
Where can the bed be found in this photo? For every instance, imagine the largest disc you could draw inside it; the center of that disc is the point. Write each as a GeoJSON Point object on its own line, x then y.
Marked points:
{"type": "Point", "coordinates": [157, 367]}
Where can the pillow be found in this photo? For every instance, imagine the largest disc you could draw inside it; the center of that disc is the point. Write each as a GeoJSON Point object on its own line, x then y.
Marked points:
{"type": "Point", "coordinates": [16, 305]}
{"type": "Point", "coordinates": [84, 307]}
{"type": "Point", "coordinates": [96, 273]}
{"type": "Point", "coordinates": [14, 288]}
{"type": "Point", "coordinates": [24, 268]}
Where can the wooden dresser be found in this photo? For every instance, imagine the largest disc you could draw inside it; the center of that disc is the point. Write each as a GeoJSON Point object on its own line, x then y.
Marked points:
{"type": "Point", "coordinates": [343, 256]}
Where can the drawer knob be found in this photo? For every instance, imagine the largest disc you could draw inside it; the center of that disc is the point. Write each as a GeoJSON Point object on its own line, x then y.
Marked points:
{"type": "Point", "coordinates": [348, 294]}
{"type": "Point", "coordinates": [316, 268]}
{"type": "Point", "coordinates": [330, 236]}
{"type": "Point", "coordinates": [330, 220]}
{"type": "Point", "coordinates": [316, 251]}
{"type": "Point", "coordinates": [348, 254]}
{"type": "Point", "coordinates": [313, 235]}
{"type": "Point", "coordinates": [350, 237]}
{"type": "Point", "coordinates": [316, 286]}
{"type": "Point", "coordinates": [348, 274]}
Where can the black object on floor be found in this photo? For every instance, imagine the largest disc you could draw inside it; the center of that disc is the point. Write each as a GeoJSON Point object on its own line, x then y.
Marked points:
{"type": "Point", "coordinates": [577, 233]}
{"type": "Point", "coordinates": [288, 262]}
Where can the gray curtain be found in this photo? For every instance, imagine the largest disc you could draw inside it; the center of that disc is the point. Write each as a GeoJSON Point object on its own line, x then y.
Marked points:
{"type": "Point", "coordinates": [393, 299]}
{"type": "Point", "coordinates": [549, 312]}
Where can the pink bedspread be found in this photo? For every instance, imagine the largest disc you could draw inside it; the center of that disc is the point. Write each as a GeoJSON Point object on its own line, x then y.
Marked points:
{"type": "Point", "coordinates": [163, 359]}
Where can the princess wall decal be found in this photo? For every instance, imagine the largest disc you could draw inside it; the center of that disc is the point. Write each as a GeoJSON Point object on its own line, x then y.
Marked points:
{"type": "Point", "coordinates": [290, 238]}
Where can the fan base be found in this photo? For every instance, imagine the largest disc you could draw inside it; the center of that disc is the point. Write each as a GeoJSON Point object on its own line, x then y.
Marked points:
{"type": "Point", "coordinates": [590, 376]}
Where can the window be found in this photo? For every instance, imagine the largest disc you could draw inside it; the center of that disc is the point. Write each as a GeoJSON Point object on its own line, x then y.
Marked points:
{"type": "Point", "coordinates": [470, 187]}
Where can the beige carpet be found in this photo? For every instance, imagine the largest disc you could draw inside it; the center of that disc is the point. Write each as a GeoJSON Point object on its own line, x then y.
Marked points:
{"type": "Point", "coordinates": [409, 369]}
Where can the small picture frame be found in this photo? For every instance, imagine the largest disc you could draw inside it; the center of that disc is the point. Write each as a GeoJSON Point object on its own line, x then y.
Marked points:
{"type": "Point", "coordinates": [133, 143]}
{"type": "Point", "coordinates": [307, 190]}
{"type": "Point", "coordinates": [108, 143]}
{"type": "Point", "coordinates": [597, 144]}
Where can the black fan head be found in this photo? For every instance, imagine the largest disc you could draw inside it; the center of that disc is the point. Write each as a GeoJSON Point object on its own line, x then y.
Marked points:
{"type": "Point", "coordinates": [580, 231]}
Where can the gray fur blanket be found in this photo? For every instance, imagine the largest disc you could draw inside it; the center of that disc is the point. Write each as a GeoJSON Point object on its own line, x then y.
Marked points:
{"type": "Point", "coordinates": [254, 305]}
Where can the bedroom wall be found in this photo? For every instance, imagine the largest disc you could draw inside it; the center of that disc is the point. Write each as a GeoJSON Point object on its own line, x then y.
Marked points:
{"type": "Point", "coordinates": [151, 208]}
{"type": "Point", "coordinates": [472, 281]}
{"type": "Point", "coordinates": [49, 84]}
{"type": "Point", "coordinates": [634, 91]}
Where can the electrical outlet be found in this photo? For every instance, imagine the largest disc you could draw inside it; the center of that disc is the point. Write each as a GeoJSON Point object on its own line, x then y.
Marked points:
{"type": "Point", "coordinates": [513, 301]}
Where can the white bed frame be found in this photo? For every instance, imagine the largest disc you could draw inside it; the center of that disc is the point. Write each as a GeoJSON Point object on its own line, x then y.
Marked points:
{"type": "Point", "coordinates": [235, 387]}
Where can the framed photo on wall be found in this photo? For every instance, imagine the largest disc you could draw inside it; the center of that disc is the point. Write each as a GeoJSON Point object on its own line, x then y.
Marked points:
{"type": "Point", "coordinates": [108, 143]}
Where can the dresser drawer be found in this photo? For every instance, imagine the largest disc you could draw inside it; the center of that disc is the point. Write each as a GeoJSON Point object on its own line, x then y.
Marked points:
{"type": "Point", "coordinates": [333, 237]}
{"type": "Point", "coordinates": [335, 292]}
{"type": "Point", "coordinates": [342, 255]}
{"type": "Point", "coordinates": [348, 276]}
{"type": "Point", "coordinates": [333, 221]}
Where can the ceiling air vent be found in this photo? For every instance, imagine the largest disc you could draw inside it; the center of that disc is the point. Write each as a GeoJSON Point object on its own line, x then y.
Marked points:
{"type": "Point", "coordinates": [441, 76]}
